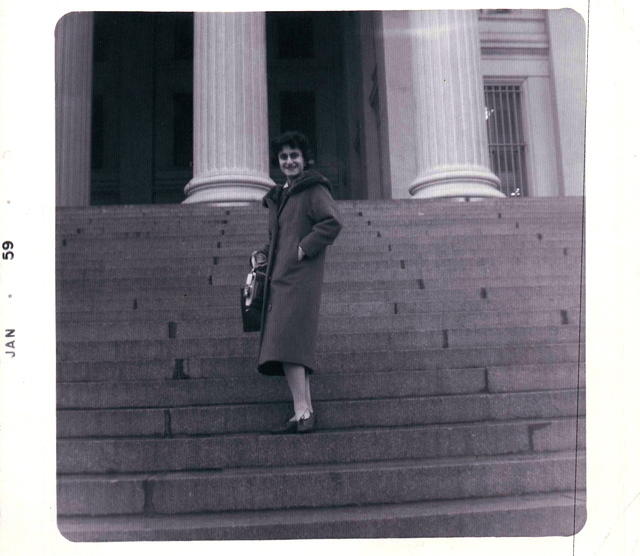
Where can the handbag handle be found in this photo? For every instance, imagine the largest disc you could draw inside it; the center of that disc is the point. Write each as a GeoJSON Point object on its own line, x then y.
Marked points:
{"type": "Point", "coordinates": [258, 259]}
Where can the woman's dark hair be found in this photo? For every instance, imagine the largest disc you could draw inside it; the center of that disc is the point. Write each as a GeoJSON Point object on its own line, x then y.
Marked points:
{"type": "Point", "coordinates": [293, 140]}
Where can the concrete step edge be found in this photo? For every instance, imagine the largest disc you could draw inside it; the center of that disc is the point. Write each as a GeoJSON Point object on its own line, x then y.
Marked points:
{"type": "Point", "coordinates": [328, 467]}
{"type": "Point", "coordinates": [362, 336]}
{"type": "Point", "coordinates": [522, 367]}
{"type": "Point", "coordinates": [326, 434]}
{"type": "Point", "coordinates": [364, 224]}
{"type": "Point", "coordinates": [398, 352]}
{"type": "Point", "coordinates": [293, 523]}
{"type": "Point", "coordinates": [274, 412]}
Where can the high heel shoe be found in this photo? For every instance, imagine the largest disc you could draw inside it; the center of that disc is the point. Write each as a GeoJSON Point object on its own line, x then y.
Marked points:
{"type": "Point", "coordinates": [306, 424]}
{"type": "Point", "coordinates": [288, 427]}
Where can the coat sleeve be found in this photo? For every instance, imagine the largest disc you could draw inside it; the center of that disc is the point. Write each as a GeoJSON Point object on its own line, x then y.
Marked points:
{"type": "Point", "coordinates": [323, 211]}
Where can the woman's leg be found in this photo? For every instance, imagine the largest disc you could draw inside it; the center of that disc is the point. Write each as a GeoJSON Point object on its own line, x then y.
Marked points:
{"type": "Point", "coordinates": [297, 384]}
{"type": "Point", "coordinates": [307, 391]}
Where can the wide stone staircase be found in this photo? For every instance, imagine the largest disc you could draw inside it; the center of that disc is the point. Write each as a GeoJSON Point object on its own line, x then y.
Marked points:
{"type": "Point", "coordinates": [449, 394]}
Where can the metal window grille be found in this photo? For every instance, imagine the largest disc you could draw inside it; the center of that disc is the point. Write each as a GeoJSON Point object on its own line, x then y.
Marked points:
{"type": "Point", "coordinates": [507, 147]}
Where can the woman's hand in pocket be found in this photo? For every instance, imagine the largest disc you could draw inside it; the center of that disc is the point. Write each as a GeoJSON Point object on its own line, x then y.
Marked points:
{"type": "Point", "coordinates": [300, 253]}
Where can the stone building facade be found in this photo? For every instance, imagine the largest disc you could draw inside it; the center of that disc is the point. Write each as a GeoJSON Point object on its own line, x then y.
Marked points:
{"type": "Point", "coordinates": [179, 107]}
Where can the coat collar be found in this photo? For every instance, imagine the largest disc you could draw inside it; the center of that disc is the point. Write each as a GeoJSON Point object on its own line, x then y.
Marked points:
{"type": "Point", "coordinates": [306, 180]}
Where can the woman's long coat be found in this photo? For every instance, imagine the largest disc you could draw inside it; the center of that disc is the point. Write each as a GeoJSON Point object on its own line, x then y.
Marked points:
{"type": "Point", "coordinates": [304, 215]}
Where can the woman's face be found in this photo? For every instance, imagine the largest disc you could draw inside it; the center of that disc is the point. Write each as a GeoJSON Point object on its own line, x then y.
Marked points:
{"type": "Point", "coordinates": [291, 162]}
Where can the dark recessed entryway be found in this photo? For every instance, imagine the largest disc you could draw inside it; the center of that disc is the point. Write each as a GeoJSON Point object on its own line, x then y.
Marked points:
{"type": "Point", "coordinates": [142, 107]}
{"type": "Point", "coordinates": [322, 80]}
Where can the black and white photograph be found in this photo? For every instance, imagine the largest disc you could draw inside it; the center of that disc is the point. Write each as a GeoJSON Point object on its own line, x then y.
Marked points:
{"type": "Point", "coordinates": [315, 275]}
{"type": "Point", "coordinates": [319, 274]}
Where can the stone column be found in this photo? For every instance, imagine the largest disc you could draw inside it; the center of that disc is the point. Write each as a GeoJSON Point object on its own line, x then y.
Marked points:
{"type": "Point", "coordinates": [230, 137]}
{"type": "Point", "coordinates": [567, 51]}
{"type": "Point", "coordinates": [451, 136]}
{"type": "Point", "coordinates": [73, 74]}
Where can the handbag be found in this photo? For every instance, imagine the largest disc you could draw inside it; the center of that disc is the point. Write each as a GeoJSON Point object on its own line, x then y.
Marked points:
{"type": "Point", "coordinates": [252, 297]}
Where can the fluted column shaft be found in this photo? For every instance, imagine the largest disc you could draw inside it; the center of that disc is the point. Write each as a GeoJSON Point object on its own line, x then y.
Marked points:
{"type": "Point", "coordinates": [73, 74]}
{"type": "Point", "coordinates": [451, 137]}
{"type": "Point", "coordinates": [230, 158]}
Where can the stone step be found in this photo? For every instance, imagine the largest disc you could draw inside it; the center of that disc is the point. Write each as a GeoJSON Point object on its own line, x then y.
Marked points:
{"type": "Point", "coordinates": [397, 227]}
{"type": "Point", "coordinates": [187, 322]}
{"type": "Point", "coordinates": [332, 414]}
{"type": "Point", "coordinates": [80, 243]}
{"type": "Point", "coordinates": [524, 268]}
{"type": "Point", "coordinates": [408, 248]}
{"type": "Point", "coordinates": [124, 220]}
{"type": "Point", "coordinates": [370, 361]}
{"type": "Point", "coordinates": [225, 254]}
{"type": "Point", "coordinates": [229, 451]}
{"type": "Point", "coordinates": [419, 243]}
{"type": "Point", "coordinates": [253, 388]}
{"type": "Point", "coordinates": [227, 313]}
{"type": "Point", "coordinates": [558, 513]}
{"type": "Point", "coordinates": [69, 290]}
{"type": "Point", "coordinates": [83, 223]}
{"type": "Point", "coordinates": [354, 208]}
{"type": "Point", "coordinates": [239, 265]}
{"type": "Point", "coordinates": [407, 226]}
{"type": "Point", "coordinates": [354, 385]}
{"type": "Point", "coordinates": [140, 327]}
{"type": "Point", "coordinates": [317, 486]}
{"type": "Point", "coordinates": [257, 222]}
{"type": "Point", "coordinates": [76, 269]}
{"type": "Point", "coordinates": [351, 232]}
{"type": "Point", "coordinates": [228, 296]}
{"type": "Point", "coordinates": [347, 281]}
{"type": "Point", "coordinates": [167, 418]}
{"type": "Point", "coordinates": [526, 204]}
{"type": "Point", "coordinates": [385, 209]}
{"type": "Point", "coordinates": [222, 226]}
{"type": "Point", "coordinates": [351, 343]}
{"type": "Point", "coordinates": [388, 253]}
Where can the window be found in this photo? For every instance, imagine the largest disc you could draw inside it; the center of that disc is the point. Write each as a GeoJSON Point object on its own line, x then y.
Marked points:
{"type": "Point", "coordinates": [506, 142]}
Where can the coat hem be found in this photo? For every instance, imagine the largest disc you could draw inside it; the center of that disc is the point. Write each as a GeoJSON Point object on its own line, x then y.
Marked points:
{"type": "Point", "coordinates": [274, 368]}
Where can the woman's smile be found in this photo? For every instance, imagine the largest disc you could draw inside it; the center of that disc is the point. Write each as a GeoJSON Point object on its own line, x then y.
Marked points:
{"type": "Point", "coordinates": [291, 162]}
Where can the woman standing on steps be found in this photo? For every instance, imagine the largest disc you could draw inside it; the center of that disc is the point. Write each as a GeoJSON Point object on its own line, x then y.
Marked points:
{"type": "Point", "coordinates": [303, 220]}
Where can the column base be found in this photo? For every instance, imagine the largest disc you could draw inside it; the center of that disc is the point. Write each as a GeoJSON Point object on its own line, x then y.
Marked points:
{"type": "Point", "coordinates": [458, 183]}
{"type": "Point", "coordinates": [228, 190]}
